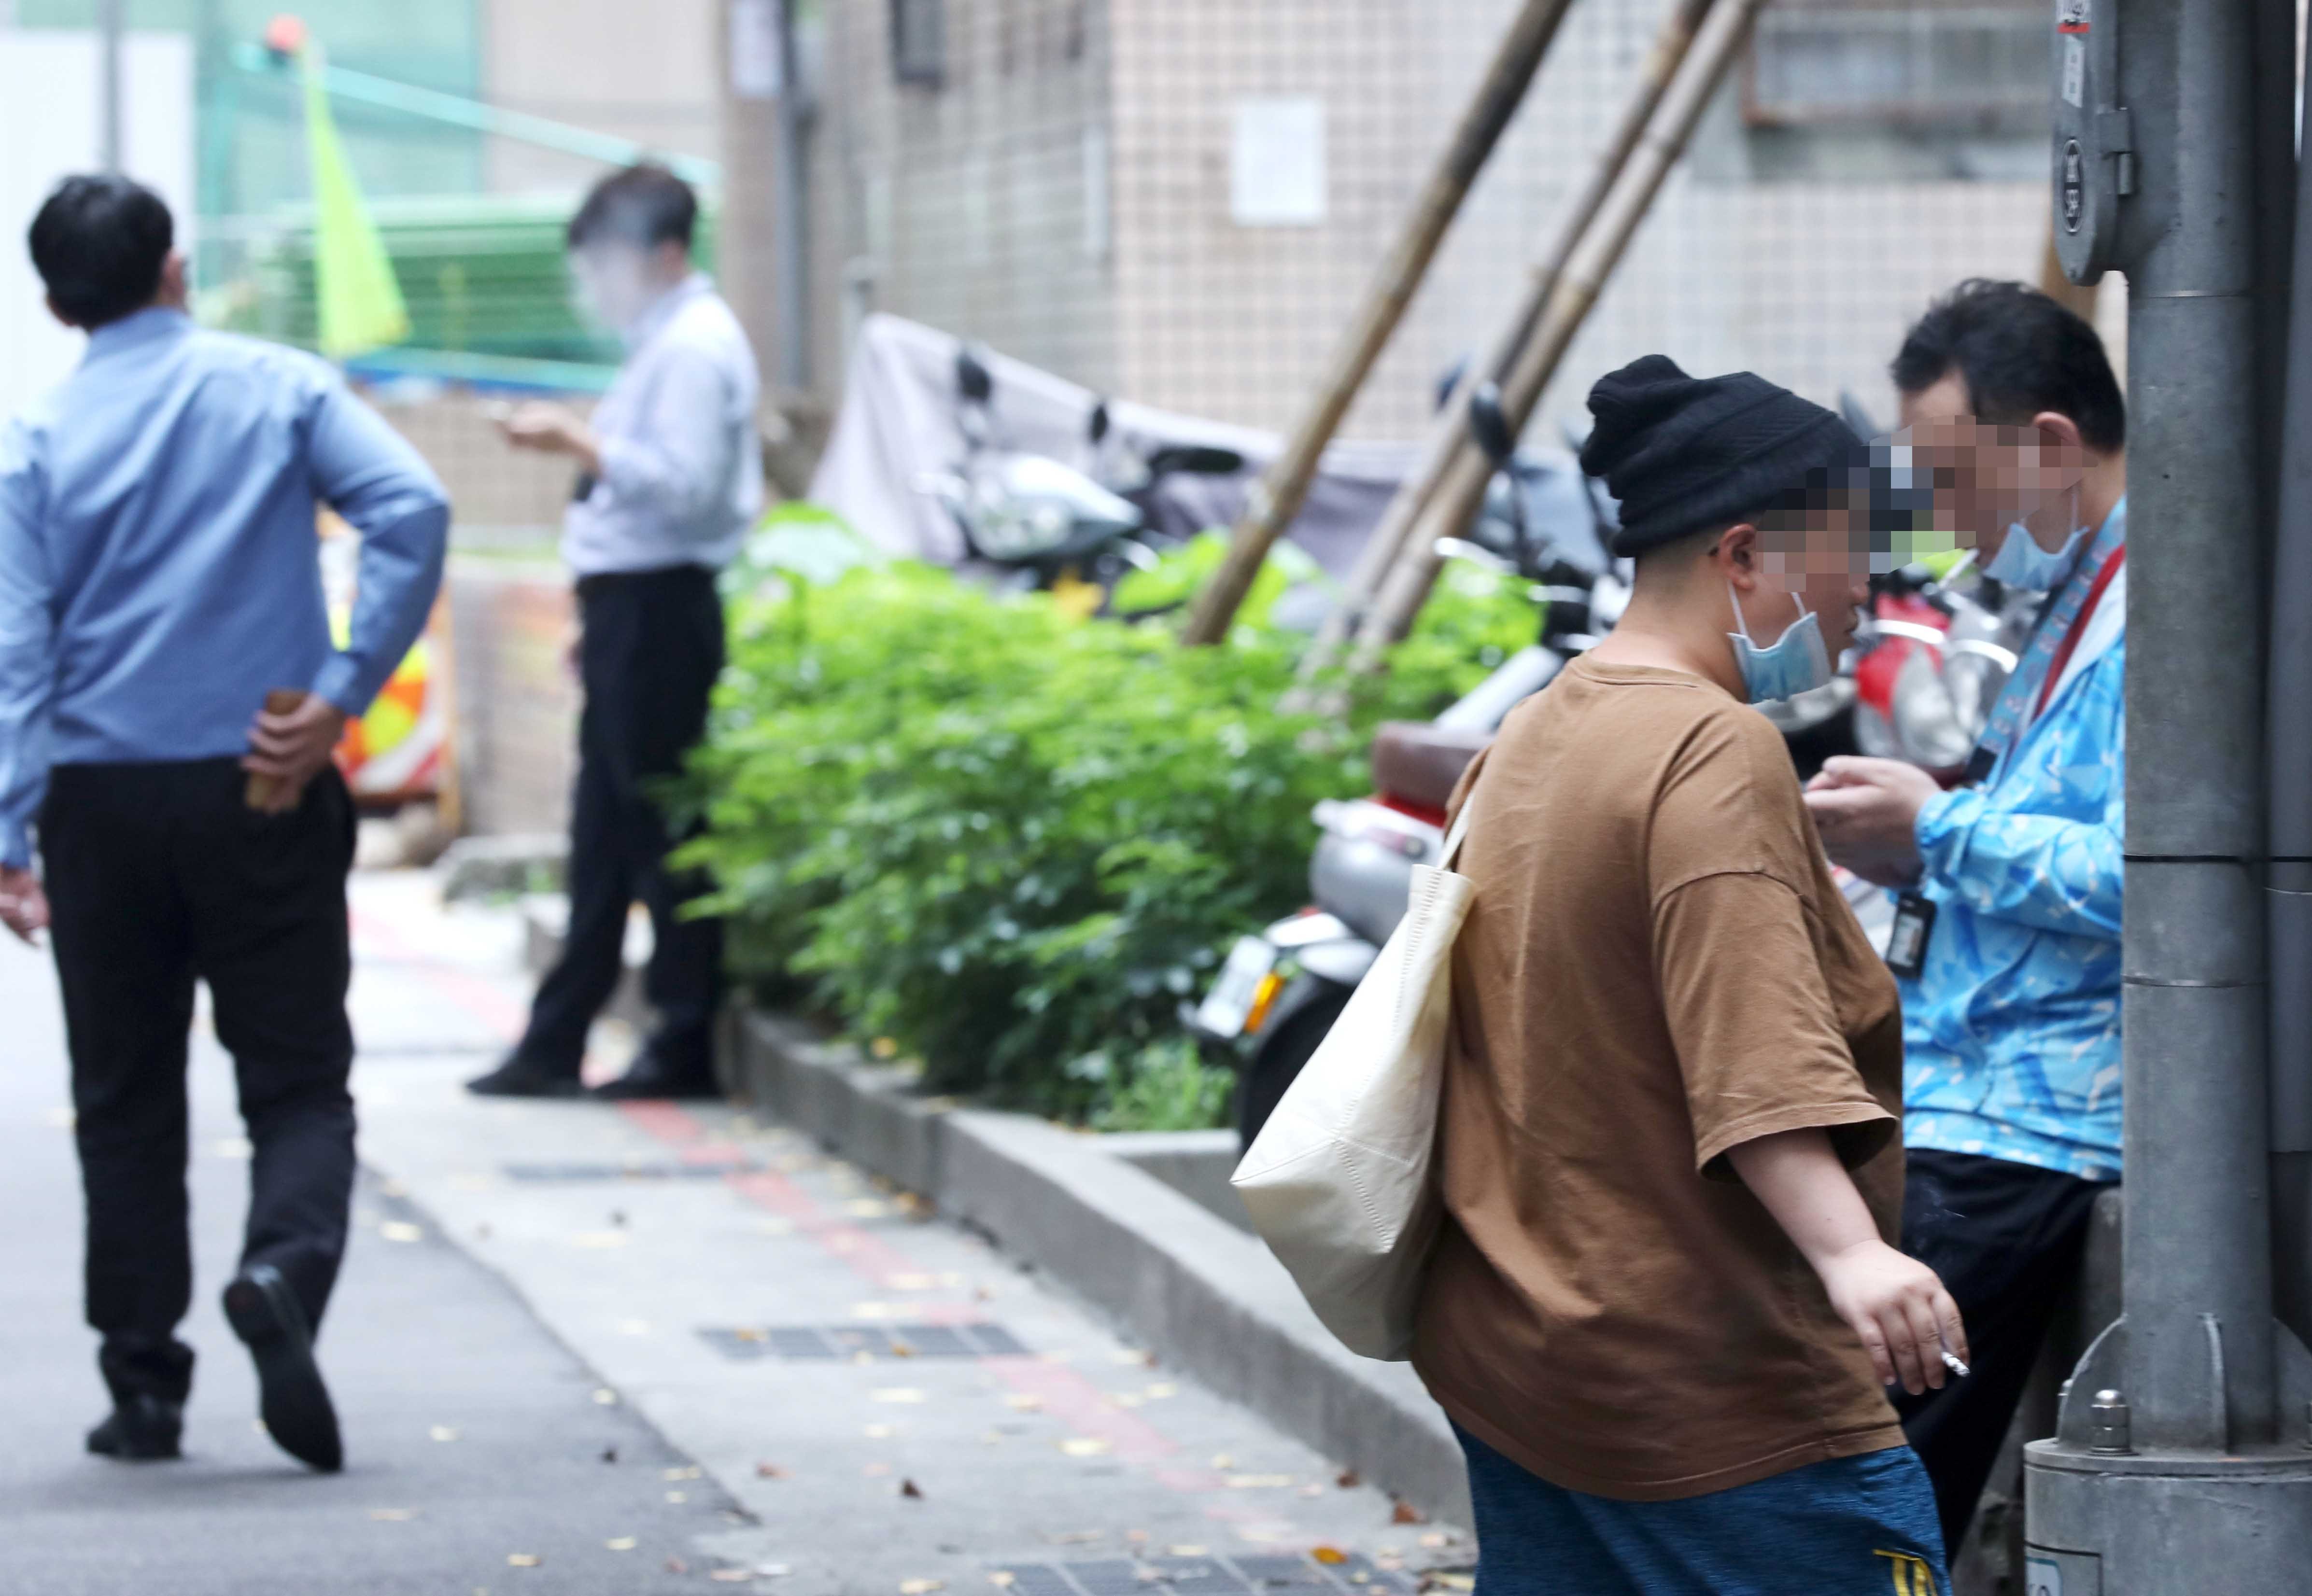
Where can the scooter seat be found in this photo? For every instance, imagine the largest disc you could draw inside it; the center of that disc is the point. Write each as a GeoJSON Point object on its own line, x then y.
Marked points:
{"type": "Point", "coordinates": [1419, 762]}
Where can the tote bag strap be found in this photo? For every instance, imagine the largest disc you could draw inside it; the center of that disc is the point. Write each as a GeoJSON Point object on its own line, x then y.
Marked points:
{"type": "Point", "coordinates": [1460, 831]}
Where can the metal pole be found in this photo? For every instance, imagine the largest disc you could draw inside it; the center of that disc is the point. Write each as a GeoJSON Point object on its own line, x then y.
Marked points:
{"type": "Point", "coordinates": [2171, 1474]}
{"type": "Point", "coordinates": [1587, 268]}
{"type": "Point", "coordinates": [108, 24]}
{"type": "Point", "coordinates": [1281, 493]}
{"type": "Point", "coordinates": [791, 205]}
{"type": "Point", "coordinates": [1448, 438]}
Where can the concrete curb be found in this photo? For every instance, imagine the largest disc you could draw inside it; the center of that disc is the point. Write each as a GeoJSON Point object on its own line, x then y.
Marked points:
{"type": "Point", "coordinates": [1198, 1290]}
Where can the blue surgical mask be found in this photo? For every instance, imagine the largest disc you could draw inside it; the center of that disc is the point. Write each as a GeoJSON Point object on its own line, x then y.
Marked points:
{"type": "Point", "coordinates": [2021, 563]}
{"type": "Point", "coordinates": [1797, 662]}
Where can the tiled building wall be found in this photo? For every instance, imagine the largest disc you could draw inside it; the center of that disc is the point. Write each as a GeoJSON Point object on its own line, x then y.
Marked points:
{"type": "Point", "coordinates": [973, 204]}
{"type": "Point", "coordinates": [1806, 281]}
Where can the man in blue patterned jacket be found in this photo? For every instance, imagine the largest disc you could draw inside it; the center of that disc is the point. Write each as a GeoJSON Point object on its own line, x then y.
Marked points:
{"type": "Point", "coordinates": [2008, 935]}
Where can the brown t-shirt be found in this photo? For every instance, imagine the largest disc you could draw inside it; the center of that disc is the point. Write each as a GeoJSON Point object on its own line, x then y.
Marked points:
{"type": "Point", "coordinates": [1657, 967]}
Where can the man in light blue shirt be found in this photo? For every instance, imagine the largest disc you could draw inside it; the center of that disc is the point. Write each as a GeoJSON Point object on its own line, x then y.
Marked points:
{"type": "Point", "coordinates": [2010, 929]}
{"type": "Point", "coordinates": [671, 479]}
{"type": "Point", "coordinates": [170, 698]}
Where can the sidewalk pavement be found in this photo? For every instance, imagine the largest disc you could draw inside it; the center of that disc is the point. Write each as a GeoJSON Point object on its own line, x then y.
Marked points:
{"type": "Point", "coordinates": [853, 1395]}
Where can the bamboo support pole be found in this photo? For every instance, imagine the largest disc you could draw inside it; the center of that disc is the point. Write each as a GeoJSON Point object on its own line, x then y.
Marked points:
{"type": "Point", "coordinates": [1588, 269]}
{"type": "Point", "coordinates": [1449, 441]}
{"type": "Point", "coordinates": [1279, 496]}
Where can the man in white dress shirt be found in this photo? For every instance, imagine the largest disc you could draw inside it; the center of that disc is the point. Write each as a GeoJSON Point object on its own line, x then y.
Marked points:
{"type": "Point", "coordinates": [671, 480]}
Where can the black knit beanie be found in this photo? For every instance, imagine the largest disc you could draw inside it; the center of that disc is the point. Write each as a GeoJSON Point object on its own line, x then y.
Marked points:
{"type": "Point", "coordinates": [1687, 455]}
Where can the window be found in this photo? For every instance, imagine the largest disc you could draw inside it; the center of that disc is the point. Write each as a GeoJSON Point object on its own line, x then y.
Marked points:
{"type": "Point", "coordinates": [1980, 68]}
{"type": "Point", "coordinates": [919, 41]}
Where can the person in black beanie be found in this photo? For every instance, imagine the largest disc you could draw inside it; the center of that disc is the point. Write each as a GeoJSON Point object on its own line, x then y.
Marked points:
{"type": "Point", "coordinates": [1665, 1304]}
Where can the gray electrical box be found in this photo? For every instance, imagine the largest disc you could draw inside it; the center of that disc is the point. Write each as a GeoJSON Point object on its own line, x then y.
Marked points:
{"type": "Point", "coordinates": [2095, 138]}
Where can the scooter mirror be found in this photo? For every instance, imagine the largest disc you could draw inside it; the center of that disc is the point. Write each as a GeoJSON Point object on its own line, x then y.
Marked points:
{"type": "Point", "coordinates": [1489, 426]}
{"type": "Point", "coordinates": [1099, 423]}
{"type": "Point", "coordinates": [972, 378]}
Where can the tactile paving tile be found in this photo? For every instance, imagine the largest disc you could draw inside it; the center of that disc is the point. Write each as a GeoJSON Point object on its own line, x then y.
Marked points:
{"type": "Point", "coordinates": [831, 1343]}
{"type": "Point", "coordinates": [1202, 1577]}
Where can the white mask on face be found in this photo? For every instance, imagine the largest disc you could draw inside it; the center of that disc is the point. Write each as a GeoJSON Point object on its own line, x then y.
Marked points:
{"type": "Point", "coordinates": [613, 285]}
{"type": "Point", "coordinates": [2021, 563]}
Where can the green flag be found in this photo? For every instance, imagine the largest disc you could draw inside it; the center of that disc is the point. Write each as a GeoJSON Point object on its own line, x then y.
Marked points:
{"type": "Point", "coordinates": [359, 303]}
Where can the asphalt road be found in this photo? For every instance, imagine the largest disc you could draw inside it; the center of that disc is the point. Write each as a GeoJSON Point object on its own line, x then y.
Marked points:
{"type": "Point", "coordinates": [473, 1434]}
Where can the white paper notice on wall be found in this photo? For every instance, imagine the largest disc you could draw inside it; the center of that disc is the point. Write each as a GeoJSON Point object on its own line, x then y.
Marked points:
{"type": "Point", "coordinates": [1276, 161]}
{"type": "Point", "coordinates": [757, 63]}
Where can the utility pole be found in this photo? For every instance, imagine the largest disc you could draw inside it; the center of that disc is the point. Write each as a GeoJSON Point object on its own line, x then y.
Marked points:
{"type": "Point", "coordinates": [762, 256]}
{"type": "Point", "coordinates": [109, 25]}
{"type": "Point", "coordinates": [2179, 1464]}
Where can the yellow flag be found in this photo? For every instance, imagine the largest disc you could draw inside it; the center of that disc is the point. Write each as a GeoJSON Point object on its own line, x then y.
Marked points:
{"type": "Point", "coordinates": [359, 303]}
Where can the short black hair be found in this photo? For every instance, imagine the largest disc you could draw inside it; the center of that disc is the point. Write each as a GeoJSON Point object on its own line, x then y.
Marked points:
{"type": "Point", "coordinates": [644, 204]}
{"type": "Point", "coordinates": [99, 244]}
{"type": "Point", "coordinates": [2019, 353]}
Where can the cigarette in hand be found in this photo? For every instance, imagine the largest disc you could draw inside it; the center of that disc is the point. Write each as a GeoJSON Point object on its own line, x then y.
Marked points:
{"type": "Point", "coordinates": [1954, 1365]}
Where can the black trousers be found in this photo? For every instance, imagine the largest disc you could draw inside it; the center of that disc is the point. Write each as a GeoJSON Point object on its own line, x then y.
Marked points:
{"type": "Point", "coordinates": [2006, 1238]}
{"type": "Point", "coordinates": [650, 652]}
{"type": "Point", "coordinates": [159, 875]}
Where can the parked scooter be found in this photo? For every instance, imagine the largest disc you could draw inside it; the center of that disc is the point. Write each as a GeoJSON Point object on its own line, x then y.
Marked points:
{"type": "Point", "coordinates": [1042, 523]}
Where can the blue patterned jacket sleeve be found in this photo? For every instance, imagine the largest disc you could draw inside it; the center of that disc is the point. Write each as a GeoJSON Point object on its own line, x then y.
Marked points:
{"type": "Point", "coordinates": [2058, 868]}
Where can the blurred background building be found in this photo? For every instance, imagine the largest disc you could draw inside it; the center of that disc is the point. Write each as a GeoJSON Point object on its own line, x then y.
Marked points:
{"type": "Point", "coordinates": [1179, 201]}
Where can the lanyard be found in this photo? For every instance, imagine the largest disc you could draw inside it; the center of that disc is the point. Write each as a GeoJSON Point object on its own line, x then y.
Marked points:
{"type": "Point", "coordinates": [2078, 628]}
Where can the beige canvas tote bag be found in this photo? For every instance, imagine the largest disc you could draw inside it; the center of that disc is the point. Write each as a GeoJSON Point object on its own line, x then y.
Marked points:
{"type": "Point", "coordinates": [1338, 1181]}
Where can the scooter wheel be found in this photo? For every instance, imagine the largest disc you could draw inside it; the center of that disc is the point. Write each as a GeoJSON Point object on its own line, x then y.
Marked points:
{"type": "Point", "coordinates": [1276, 1062]}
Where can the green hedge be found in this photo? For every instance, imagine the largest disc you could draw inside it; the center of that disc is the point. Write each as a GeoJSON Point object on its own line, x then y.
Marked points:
{"type": "Point", "coordinates": [1007, 842]}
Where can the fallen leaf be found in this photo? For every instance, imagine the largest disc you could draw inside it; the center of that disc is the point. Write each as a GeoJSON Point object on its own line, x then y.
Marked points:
{"type": "Point", "coordinates": [872, 1311]}
{"type": "Point", "coordinates": [1257, 1482]}
{"type": "Point", "coordinates": [443, 1433]}
{"type": "Point", "coordinates": [1348, 1480]}
{"type": "Point", "coordinates": [773, 1570]}
{"type": "Point", "coordinates": [901, 1349]}
{"type": "Point", "coordinates": [1331, 1556]}
{"type": "Point", "coordinates": [677, 1497]}
{"type": "Point", "coordinates": [1161, 1391]}
{"type": "Point", "coordinates": [522, 1559]}
{"type": "Point", "coordinates": [921, 1587]}
{"type": "Point", "coordinates": [875, 1470]}
{"type": "Point", "coordinates": [1083, 1447]}
{"type": "Point", "coordinates": [1186, 1552]}
{"type": "Point", "coordinates": [693, 1472]}
{"type": "Point", "coordinates": [393, 1515]}
{"type": "Point", "coordinates": [624, 1543]}
{"type": "Point", "coordinates": [1455, 1582]}
{"type": "Point", "coordinates": [898, 1393]}
{"type": "Point", "coordinates": [1002, 1579]}
{"type": "Point", "coordinates": [1435, 1539]}
{"type": "Point", "coordinates": [605, 1397]}
{"type": "Point", "coordinates": [884, 1047]}
{"type": "Point", "coordinates": [1222, 1459]}
{"type": "Point", "coordinates": [1406, 1512]}
{"type": "Point", "coordinates": [908, 1488]}
{"type": "Point", "coordinates": [399, 1230]}
{"type": "Point", "coordinates": [1132, 1355]}
{"type": "Point", "coordinates": [771, 1472]}
{"type": "Point", "coordinates": [1137, 1537]}
{"type": "Point", "coordinates": [881, 1432]}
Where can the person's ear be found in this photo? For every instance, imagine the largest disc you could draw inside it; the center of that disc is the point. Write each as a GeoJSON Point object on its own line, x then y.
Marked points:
{"type": "Point", "coordinates": [2059, 433]}
{"type": "Point", "coordinates": [173, 292]}
{"type": "Point", "coordinates": [1736, 557]}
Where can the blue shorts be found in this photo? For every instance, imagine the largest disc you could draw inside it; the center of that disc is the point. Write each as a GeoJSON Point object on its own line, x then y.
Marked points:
{"type": "Point", "coordinates": [1860, 1526]}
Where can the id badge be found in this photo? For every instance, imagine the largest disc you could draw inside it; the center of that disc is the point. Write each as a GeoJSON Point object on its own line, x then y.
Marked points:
{"type": "Point", "coordinates": [1915, 926]}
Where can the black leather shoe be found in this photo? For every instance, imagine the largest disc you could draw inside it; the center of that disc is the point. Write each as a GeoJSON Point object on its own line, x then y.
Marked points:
{"type": "Point", "coordinates": [523, 1077]}
{"type": "Point", "coordinates": [143, 1429]}
{"type": "Point", "coordinates": [292, 1400]}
